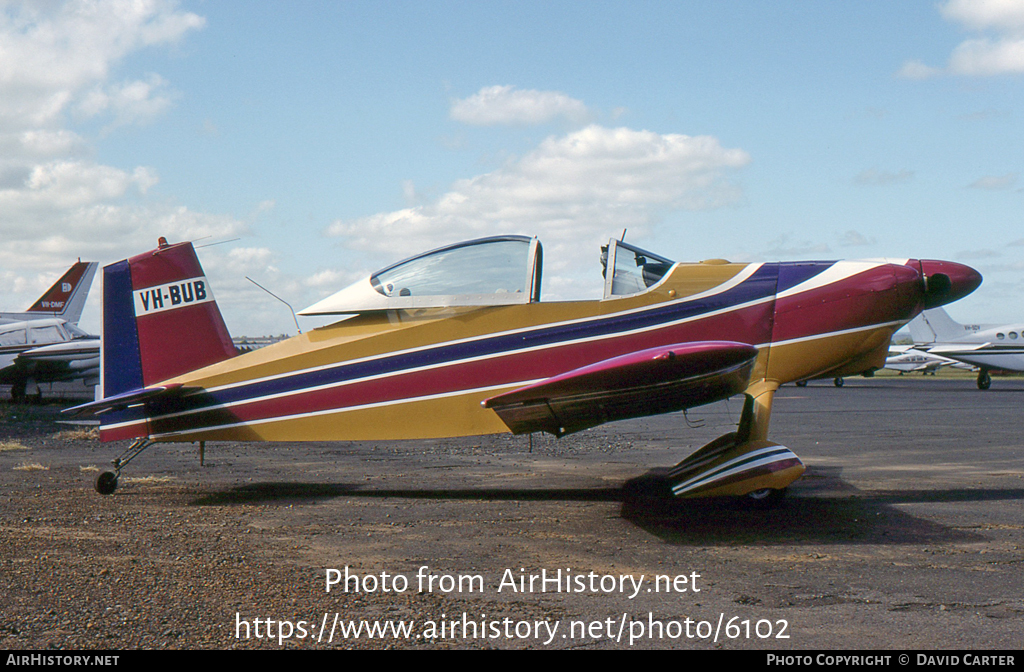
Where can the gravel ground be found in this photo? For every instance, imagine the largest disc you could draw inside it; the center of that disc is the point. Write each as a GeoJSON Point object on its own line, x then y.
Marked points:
{"type": "Point", "coordinates": [905, 533]}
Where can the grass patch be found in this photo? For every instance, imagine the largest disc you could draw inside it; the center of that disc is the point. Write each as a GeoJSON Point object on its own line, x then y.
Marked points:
{"type": "Point", "coordinates": [34, 466]}
{"type": "Point", "coordinates": [147, 479]}
{"type": "Point", "coordinates": [91, 434]}
{"type": "Point", "coordinates": [11, 445]}
{"type": "Point", "coordinates": [91, 467]}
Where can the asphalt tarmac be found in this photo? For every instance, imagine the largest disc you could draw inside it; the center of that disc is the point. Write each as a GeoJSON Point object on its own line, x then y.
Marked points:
{"type": "Point", "coordinates": [905, 533]}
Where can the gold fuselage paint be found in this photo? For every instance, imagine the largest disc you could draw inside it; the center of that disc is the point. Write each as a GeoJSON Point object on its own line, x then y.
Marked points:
{"type": "Point", "coordinates": [458, 412]}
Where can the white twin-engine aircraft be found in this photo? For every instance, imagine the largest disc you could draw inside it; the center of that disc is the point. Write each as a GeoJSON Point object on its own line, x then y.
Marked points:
{"type": "Point", "coordinates": [990, 348]}
{"type": "Point", "coordinates": [44, 343]}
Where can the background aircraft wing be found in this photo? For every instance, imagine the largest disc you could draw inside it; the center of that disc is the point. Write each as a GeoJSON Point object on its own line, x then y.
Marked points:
{"type": "Point", "coordinates": [647, 382]}
{"type": "Point", "coordinates": [69, 360]}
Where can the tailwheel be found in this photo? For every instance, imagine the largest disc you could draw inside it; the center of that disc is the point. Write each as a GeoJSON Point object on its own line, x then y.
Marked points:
{"type": "Point", "coordinates": [838, 381]}
{"type": "Point", "coordinates": [106, 483]}
{"type": "Point", "coordinates": [984, 380]}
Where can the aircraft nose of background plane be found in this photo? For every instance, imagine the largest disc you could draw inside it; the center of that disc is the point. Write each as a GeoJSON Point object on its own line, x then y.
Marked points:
{"type": "Point", "coordinates": [947, 281]}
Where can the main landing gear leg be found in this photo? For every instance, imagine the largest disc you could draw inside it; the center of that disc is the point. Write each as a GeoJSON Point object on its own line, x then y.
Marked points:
{"type": "Point", "coordinates": [742, 463]}
{"type": "Point", "coordinates": [106, 482]}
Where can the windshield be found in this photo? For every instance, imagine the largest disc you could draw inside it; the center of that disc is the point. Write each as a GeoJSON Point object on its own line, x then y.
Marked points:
{"type": "Point", "coordinates": [496, 267]}
{"type": "Point", "coordinates": [633, 269]}
{"type": "Point", "coordinates": [495, 271]}
{"type": "Point", "coordinates": [75, 331]}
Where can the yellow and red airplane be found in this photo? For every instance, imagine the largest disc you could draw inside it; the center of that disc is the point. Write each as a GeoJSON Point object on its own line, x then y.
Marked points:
{"type": "Point", "coordinates": [457, 342]}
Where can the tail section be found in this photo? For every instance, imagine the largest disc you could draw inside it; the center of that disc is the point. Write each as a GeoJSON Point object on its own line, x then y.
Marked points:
{"type": "Point", "coordinates": [935, 325]}
{"type": "Point", "coordinates": [65, 299]}
{"type": "Point", "coordinates": [160, 319]}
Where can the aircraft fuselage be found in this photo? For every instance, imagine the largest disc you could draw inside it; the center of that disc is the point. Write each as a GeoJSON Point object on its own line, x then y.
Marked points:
{"type": "Point", "coordinates": [423, 373]}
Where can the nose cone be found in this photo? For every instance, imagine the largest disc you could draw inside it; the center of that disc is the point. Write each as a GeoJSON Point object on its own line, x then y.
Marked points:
{"type": "Point", "coordinates": [947, 281]}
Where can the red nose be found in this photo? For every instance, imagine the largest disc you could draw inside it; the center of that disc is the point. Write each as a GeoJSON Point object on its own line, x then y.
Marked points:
{"type": "Point", "coordinates": [947, 281]}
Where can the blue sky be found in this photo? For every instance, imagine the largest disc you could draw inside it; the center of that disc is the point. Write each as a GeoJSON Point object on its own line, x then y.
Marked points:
{"type": "Point", "coordinates": [332, 138]}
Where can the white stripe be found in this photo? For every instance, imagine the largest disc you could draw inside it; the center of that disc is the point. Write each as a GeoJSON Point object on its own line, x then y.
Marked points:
{"type": "Point", "coordinates": [483, 357]}
{"type": "Point", "coordinates": [683, 467]}
{"type": "Point", "coordinates": [839, 271]}
{"type": "Point", "coordinates": [705, 479]}
{"type": "Point", "coordinates": [457, 392]}
{"type": "Point", "coordinates": [727, 464]}
{"type": "Point", "coordinates": [172, 295]}
{"type": "Point", "coordinates": [332, 411]}
{"type": "Point", "coordinates": [429, 367]}
{"type": "Point", "coordinates": [736, 280]}
{"type": "Point", "coordinates": [732, 282]}
{"type": "Point", "coordinates": [841, 332]}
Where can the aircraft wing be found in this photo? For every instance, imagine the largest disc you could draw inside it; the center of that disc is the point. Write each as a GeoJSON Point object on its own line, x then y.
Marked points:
{"type": "Point", "coordinates": [81, 352]}
{"type": "Point", "coordinates": [69, 360]}
{"type": "Point", "coordinates": [647, 382]}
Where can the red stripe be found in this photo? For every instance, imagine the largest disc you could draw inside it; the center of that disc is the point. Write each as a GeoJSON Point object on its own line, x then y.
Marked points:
{"type": "Point", "coordinates": [503, 370]}
{"type": "Point", "coordinates": [873, 297]}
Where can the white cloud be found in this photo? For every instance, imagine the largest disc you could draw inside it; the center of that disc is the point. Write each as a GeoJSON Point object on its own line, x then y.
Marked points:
{"type": "Point", "coordinates": [854, 238]}
{"type": "Point", "coordinates": [55, 58]}
{"type": "Point", "coordinates": [57, 202]}
{"type": "Point", "coordinates": [228, 268]}
{"type": "Point", "coordinates": [917, 70]}
{"type": "Point", "coordinates": [997, 50]}
{"type": "Point", "coordinates": [1001, 15]}
{"type": "Point", "coordinates": [572, 191]}
{"type": "Point", "coordinates": [53, 54]}
{"type": "Point", "coordinates": [985, 57]}
{"type": "Point", "coordinates": [134, 102]}
{"type": "Point", "coordinates": [506, 105]}
{"type": "Point", "coordinates": [994, 182]}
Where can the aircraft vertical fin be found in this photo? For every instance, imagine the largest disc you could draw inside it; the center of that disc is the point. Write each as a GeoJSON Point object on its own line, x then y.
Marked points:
{"type": "Point", "coordinates": [66, 298]}
{"type": "Point", "coordinates": [935, 325]}
{"type": "Point", "coordinates": [160, 319]}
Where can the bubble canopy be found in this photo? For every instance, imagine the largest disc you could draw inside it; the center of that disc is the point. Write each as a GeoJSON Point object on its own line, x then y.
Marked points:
{"type": "Point", "coordinates": [495, 271]}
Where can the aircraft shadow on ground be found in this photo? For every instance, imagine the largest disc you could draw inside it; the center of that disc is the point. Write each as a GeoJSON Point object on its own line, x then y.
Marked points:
{"type": "Point", "coordinates": [821, 508]}
{"type": "Point", "coordinates": [267, 492]}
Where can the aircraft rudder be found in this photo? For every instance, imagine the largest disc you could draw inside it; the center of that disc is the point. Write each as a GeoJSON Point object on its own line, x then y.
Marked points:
{"type": "Point", "coordinates": [935, 325]}
{"type": "Point", "coordinates": [162, 319]}
{"type": "Point", "coordinates": [66, 297]}
{"type": "Point", "coordinates": [179, 324]}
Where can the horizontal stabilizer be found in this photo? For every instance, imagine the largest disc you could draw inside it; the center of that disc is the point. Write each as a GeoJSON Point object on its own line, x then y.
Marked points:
{"type": "Point", "coordinates": [648, 382]}
{"type": "Point", "coordinates": [125, 399]}
{"type": "Point", "coordinates": [955, 348]}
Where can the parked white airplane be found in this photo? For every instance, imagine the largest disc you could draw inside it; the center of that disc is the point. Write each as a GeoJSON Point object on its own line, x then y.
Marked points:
{"type": "Point", "coordinates": [46, 351]}
{"type": "Point", "coordinates": [999, 347]}
{"type": "Point", "coordinates": [64, 300]}
{"type": "Point", "coordinates": [908, 359]}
